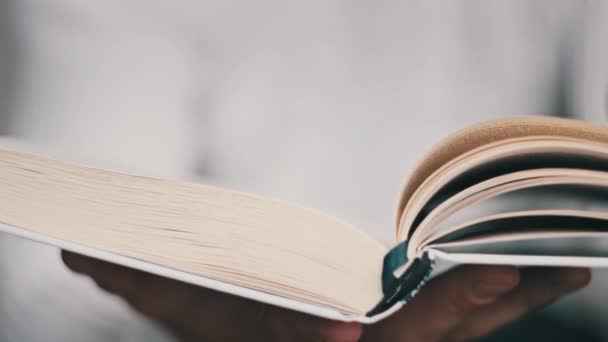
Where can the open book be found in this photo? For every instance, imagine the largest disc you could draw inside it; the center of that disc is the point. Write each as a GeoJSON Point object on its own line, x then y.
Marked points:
{"type": "Point", "coordinates": [460, 204]}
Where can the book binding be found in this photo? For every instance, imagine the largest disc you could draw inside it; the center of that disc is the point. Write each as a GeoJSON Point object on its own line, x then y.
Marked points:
{"type": "Point", "coordinates": [406, 286]}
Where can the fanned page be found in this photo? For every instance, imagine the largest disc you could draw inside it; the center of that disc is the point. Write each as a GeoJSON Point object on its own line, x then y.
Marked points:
{"type": "Point", "coordinates": [540, 238]}
{"type": "Point", "coordinates": [259, 248]}
{"type": "Point", "coordinates": [494, 160]}
{"type": "Point", "coordinates": [530, 191]}
{"type": "Point", "coordinates": [486, 137]}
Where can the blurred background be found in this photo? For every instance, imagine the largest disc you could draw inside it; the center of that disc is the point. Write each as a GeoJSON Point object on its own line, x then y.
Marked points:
{"type": "Point", "coordinates": [324, 103]}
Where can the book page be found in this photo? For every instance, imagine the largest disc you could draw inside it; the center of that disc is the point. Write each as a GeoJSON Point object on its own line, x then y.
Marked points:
{"type": "Point", "coordinates": [550, 243]}
{"type": "Point", "coordinates": [522, 225]}
{"type": "Point", "coordinates": [228, 236]}
{"type": "Point", "coordinates": [556, 193]}
{"type": "Point", "coordinates": [469, 171]}
{"type": "Point", "coordinates": [485, 133]}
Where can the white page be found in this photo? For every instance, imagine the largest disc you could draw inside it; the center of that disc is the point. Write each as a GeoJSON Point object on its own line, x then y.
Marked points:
{"type": "Point", "coordinates": [582, 249]}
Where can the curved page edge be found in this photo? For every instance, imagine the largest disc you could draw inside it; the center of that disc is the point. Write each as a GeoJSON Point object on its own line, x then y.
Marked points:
{"type": "Point", "coordinates": [209, 283]}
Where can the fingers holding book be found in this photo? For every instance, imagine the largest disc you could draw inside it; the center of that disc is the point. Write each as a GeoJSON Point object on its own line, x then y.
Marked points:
{"type": "Point", "coordinates": [195, 313]}
{"type": "Point", "coordinates": [470, 302]}
{"type": "Point", "coordinates": [461, 305]}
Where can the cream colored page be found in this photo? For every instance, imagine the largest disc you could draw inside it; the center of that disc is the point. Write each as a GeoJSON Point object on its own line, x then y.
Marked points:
{"type": "Point", "coordinates": [539, 233]}
{"type": "Point", "coordinates": [491, 153]}
{"type": "Point", "coordinates": [225, 235]}
{"type": "Point", "coordinates": [452, 214]}
{"type": "Point", "coordinates": [484, 133]}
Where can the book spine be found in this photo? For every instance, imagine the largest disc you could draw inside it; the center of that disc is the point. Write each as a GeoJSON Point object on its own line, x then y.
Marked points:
{"type": "Point", "coordinates": [407, 285]}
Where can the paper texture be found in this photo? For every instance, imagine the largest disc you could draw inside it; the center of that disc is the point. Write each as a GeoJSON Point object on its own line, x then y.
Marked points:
{"type": "Point", "coordinates": [519, 260]}
{"type": "Point", "coordinates": [193, 279]}
{"type": "Point", "coordinates": [493, 131]}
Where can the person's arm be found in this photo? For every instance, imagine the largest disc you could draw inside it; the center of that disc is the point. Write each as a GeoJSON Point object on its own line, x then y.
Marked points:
{"type": "Point", "coordinates": [461, 305]}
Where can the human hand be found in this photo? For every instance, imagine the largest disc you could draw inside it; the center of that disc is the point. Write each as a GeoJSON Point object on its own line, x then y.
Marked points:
{"type": "Point", "coordinates": [195, 313]}
{"type": "Point", "coordinates": [461, 305]}
{"type": "Point", "coordinates": [469, 302]}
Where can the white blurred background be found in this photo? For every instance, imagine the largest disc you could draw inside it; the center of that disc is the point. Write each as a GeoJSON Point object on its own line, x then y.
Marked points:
{"type": "Point", "coordinates": [323, 103]}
